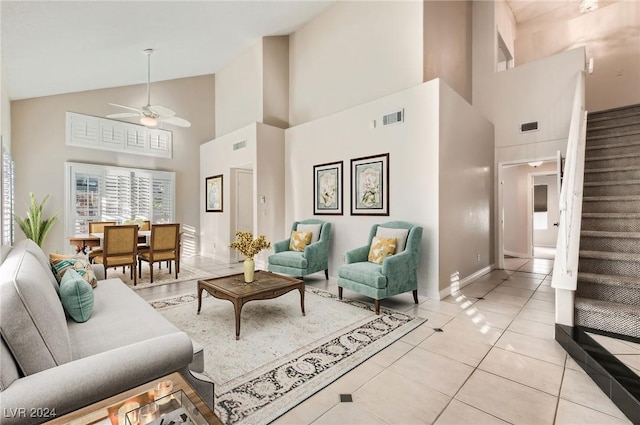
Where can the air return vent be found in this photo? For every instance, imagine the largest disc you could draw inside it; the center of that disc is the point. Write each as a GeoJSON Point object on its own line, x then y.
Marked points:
{"type": "Point", "coordinates": [393, 118]}
{"type": "Point", "coordinates": [529, 126]}
{"type": "Point", "coordinates": [240, 145]}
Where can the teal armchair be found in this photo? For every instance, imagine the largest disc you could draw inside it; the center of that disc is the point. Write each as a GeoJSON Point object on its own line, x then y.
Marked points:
{"type": "Point", "coordinates": [397, 274]}
{"type": "Point", "coordinates": [314, 258]}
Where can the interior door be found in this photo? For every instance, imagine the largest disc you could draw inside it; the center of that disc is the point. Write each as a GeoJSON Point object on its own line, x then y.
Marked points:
{"type": "Point", "coordinates": [244, 203]}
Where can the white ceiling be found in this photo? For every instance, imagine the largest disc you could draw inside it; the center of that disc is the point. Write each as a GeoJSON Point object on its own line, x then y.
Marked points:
{"type": "Point", "coordinates": [53, 47]}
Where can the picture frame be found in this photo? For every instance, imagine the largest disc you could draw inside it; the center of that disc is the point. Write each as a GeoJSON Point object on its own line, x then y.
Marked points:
{"type": "Point", "coordinates": [370, 185]}
{"type": "Point", "coordinates": [327, 189]}
{"type": "Point", "coordinates": [213, 193]}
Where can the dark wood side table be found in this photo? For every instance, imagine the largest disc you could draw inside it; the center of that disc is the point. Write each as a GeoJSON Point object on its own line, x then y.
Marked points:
{"type": "Point", "coordinates": [266, 285]}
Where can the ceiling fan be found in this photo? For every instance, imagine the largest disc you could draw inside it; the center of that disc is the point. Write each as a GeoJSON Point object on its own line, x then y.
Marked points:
{"type": "Point", "coordinates": [150, 115]}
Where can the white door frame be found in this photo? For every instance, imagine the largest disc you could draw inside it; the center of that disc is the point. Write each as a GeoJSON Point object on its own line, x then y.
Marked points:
{"type": "Point", "coordinates": [500, 211]}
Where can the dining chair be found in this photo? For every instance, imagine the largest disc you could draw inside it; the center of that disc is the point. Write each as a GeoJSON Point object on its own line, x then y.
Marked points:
{"type": "Point", "coordinates": [163, 246]}
{"type": "Point", "coordinates": [120, 248]}
{"type": "Point", "coordinates": [98, 227]}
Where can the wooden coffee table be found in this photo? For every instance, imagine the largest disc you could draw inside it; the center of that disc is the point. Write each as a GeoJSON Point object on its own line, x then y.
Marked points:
{"type": "Point", "coordinates": [266, 285]}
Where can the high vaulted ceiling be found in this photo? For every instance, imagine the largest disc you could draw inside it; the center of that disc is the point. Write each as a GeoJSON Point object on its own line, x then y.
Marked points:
{"type": "Point", "coordinates": [53, 47]}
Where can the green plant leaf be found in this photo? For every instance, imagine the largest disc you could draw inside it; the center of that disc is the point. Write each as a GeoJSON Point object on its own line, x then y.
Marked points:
{"type": "Point", "coordinates": [33, 225]}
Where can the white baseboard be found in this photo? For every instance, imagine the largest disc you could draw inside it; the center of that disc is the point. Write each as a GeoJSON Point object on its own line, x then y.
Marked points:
{"type": "Point", "coordinates": [466, 281]}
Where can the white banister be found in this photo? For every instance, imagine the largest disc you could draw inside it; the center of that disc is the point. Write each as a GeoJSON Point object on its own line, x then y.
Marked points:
{"type": "Point", "coordinates": [565, 269]}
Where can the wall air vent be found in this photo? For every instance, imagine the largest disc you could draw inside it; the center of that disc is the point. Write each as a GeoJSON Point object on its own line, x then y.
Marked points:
{"type": "Point", "coordinates": [240, 145]}
{"type": "Point", "coordinates": [393, 118]}
{"type": "Point", "coordinates": [529, 126]}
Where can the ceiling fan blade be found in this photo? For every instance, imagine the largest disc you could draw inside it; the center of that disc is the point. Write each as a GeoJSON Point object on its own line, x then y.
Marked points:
{"type": "Point", "coordinates": [126, 107]}
{"type": "Point", "coordinates": [180, 122]}
{"type": "Point", "coordinates": [124, 115]}
{"type": "Point", "coordinates": [162, 111]}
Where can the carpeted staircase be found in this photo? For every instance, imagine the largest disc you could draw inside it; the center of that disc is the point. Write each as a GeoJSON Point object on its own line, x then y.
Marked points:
{"type": "Point", "coordinates": [608, 295]}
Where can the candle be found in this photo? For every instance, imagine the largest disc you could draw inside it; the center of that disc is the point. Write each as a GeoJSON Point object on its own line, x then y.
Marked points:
{"type": "Point", "coordinates": [163, 389]}
{"type": "Point", "coordinates": [124, 409]}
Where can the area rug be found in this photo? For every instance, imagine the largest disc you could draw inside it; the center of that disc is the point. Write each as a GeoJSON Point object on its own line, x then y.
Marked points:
{"type": "Point", "coordinates": [282, 357]}
{"type": "Point", "coordinates": [160, 277]}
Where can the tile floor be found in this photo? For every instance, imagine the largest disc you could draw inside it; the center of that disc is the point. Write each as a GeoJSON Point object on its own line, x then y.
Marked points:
{"type": "Point", "coordinates": [495, 361]}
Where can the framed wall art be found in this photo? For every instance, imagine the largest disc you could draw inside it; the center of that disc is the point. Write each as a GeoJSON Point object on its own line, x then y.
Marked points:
{"type": "Point", "coordinates": [370, 185]}
{"type": "Point", "coordinates": [327, 189]}
{"type": "Point", "coordinates": [213, 193]}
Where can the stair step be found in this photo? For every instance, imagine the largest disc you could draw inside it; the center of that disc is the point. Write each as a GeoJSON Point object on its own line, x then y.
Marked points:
{"type": "Point", "coordinates": [614, 128]}
{"type": "Point", "coordinates": [621, 111]}
{"type": "Point", "coordinates": [611, 222]}
{"type": "Point", "coordinates": [612, 122]}
{"type": "Point", "coordinates": [626, 137]}
{"type": "Point", "coordinates": [610, 263]}
{"type": "Point", "coordinates": [593, 240]}
{"type": "Point", "coordinates": [594, 162]}
{"type": "Point", "coordinates": [624, 148]}
{"type": "Point", "coordinates": [605, 188]}
{"type": "Point", "coordinates": [612, 174]}
{"type": "Point", "coordinates": [618, 289]}
{"type": "Point", "coordinates": [608, 316]}
{"type": "Point", "coordinates": [611, 204]}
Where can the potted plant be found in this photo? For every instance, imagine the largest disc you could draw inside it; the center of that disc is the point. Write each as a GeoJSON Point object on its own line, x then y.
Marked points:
{"type": "Point", "coordinates": [249, 247]}
{"type": "Point", "coordinates": [34, 226]}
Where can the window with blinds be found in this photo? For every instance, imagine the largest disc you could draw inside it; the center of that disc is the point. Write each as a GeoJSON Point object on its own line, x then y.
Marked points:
{"type": "Point", "coordinates": [106, 193]}
{"type": "Point", "coordinates": [8, 188]}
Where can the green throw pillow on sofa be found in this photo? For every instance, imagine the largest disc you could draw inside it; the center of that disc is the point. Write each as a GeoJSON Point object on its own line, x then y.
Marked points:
{"type": "Point", "coordinates": [76, 295]}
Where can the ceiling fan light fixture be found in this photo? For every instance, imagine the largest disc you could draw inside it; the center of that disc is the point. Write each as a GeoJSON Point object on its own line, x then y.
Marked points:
{"type": "Point", "coordinates": [535, 164]}
{"type": "Point", "coordinates": [148, 121]}
{"type": "Point", "coordinates": [588, 6]}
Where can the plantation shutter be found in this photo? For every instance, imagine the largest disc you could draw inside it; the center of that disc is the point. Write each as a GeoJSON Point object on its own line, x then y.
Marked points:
{"type": "Point", "coordinates": [163, 200]}
{"type": "Point", "coordinates": [88, 200]}
{"type": "Point", "coordinates": [117, 196]}
{"type": "Point", "coordinates": [8, 187]}
{"type": "Point", "coordinates": [106, 193]}
{"type": "Point", "coordinates": [141, 195]}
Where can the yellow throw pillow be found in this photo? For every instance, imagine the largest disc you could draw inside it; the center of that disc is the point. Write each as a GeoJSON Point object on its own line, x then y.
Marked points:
{"type": "Point", "coordinates": [299, 240]}
{"type": "Point", "coordinates": [381, 248]}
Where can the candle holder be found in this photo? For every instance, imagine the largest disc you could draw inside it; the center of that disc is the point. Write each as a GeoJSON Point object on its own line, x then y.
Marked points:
{"type": "Point", "coordinates": [162, 390]}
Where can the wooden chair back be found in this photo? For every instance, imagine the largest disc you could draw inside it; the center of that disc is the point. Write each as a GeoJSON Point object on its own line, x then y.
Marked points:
{"type": "Point", "coordinates": [98, 226]}
{"type": "Point", "coordinates": [164, 238]}
{"type": "Point", "coordinates": [120, 241]}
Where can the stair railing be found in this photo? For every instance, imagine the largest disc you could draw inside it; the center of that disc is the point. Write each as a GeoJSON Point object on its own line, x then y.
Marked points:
{"type": "Point", "coordinates": [565, 269]}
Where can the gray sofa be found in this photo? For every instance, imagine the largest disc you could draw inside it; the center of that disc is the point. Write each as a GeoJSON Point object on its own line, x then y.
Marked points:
{"type": "Point", "coordinates": [49, 363]}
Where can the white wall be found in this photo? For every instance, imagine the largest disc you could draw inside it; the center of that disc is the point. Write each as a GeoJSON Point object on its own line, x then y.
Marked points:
{"type": "Point", "coordinates": [39, 149]}
{"type": "Point", "coordinates": [218, 157]}
{"type": "Point", "coordinates": [275, 84]}
{"type": "Point", "coordinates": [239, 91]}
{"type": "Point", "coordinates": [447, 44]}
{"type": "Point", "coordinates": [353, 53]}
{"type": "Point", "coordinates": [269, 182]}
{"type": "Point", "coordinates": [466, 190]}
{"type": "Point", "coordinates": [610, 34]}
{"type": "Point", "coordinates": [541, 91]}
{"type": "Point", "coordinates": [506, 24]}
{"type": "Point", "coordinates": [415, 183]}
{"type": "Point", "coordinates": [264, 154]}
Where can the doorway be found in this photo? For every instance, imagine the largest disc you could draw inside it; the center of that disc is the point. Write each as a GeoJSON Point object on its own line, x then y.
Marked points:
{"type": "Point", "coordinates": [516, 209]}
{"type": "Point", "coordinates": [545, 213]}
{"type": "Point", "coordinates": [243, 213]}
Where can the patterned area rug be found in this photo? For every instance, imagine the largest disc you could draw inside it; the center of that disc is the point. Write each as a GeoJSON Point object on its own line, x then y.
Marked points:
{"type": "Point", "coordinates": [160, 277]}
{"type": "Point", "coordinates": [282, 357]}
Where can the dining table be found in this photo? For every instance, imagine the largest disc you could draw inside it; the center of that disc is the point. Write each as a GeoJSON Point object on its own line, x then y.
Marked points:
{"type": "Point", "coordinates": [84, 241]}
